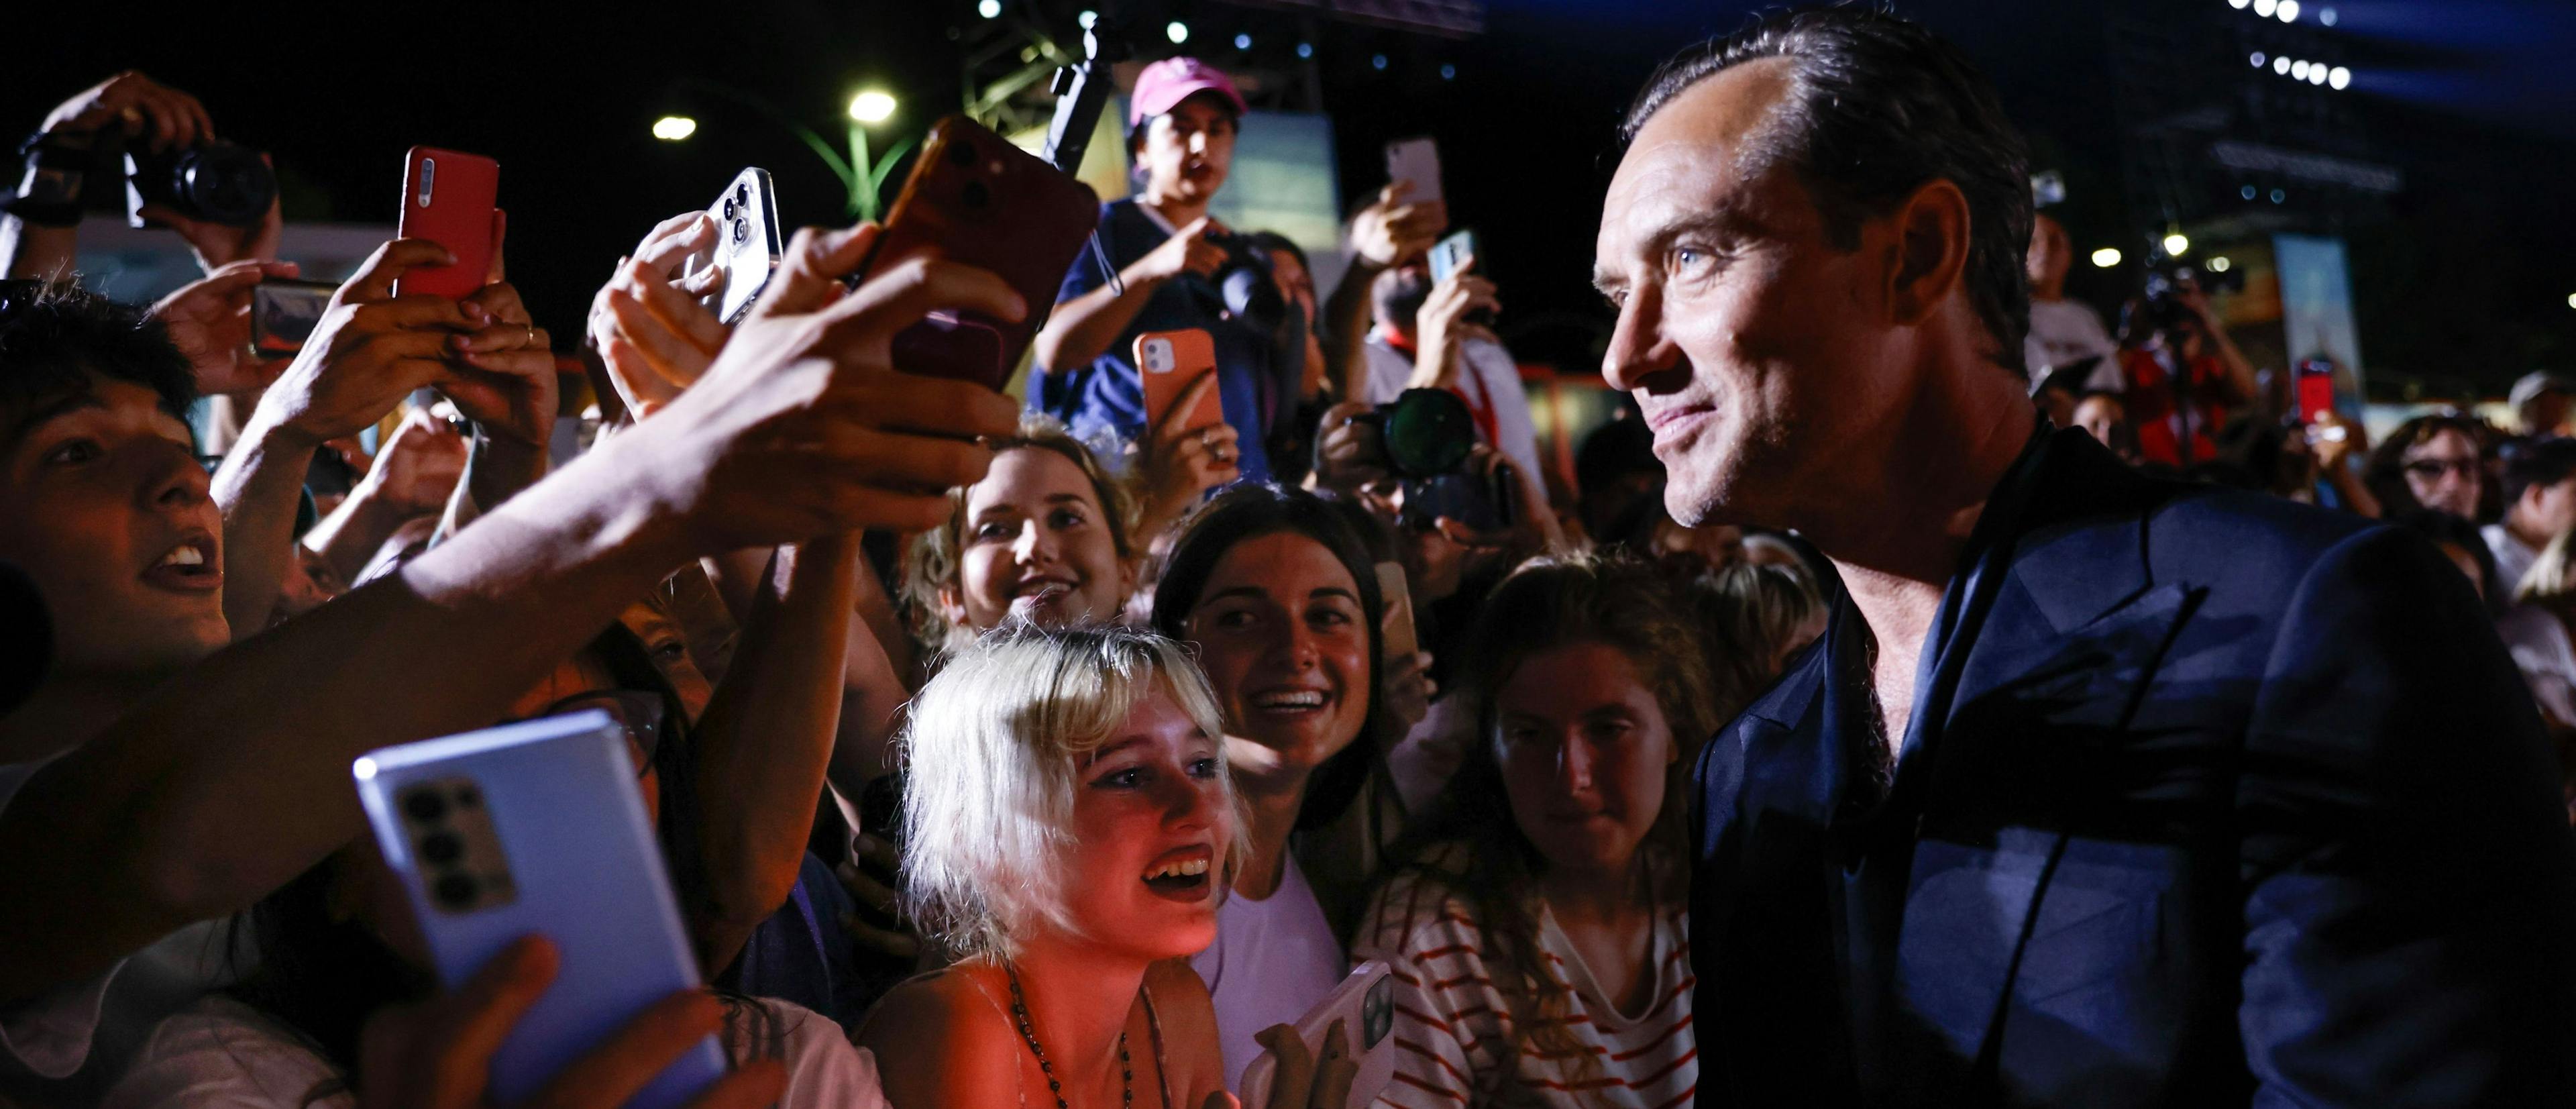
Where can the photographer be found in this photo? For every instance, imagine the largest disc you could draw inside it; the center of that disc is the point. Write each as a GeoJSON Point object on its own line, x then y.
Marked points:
{"type": "Point", "coordinates": [65, 157]}
{"type": "Point", "coordinates": [1168, 254]}
{"type": "Point", "coordinates": [2182, 373]}
{"type": "Point", "coordinates": [1437, 336]}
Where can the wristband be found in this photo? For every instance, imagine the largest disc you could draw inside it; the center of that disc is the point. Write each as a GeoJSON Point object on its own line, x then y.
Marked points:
{"type": "Point", "coordinates": [50, 194]}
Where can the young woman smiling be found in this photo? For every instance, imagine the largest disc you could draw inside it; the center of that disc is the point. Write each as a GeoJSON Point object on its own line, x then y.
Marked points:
{"type": "Point", "coordinates": [1537, 925]}
{"type": "Point", "coordinates": [1280, 600]}
{"type": "Point", "coordinates": [1069, 824]}
{"type": "Point", "coordinates": [1043, 539]}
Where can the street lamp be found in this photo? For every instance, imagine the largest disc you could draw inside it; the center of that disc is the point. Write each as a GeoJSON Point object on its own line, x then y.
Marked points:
{"type": "Point", "coordinates": [867, 109]}
{"type": "Point", "coordinates": [2176, 244]}
{"type": "Point", "coordinates": [871, 106]}
{"type": "Point", "coordinates": [674, 128]}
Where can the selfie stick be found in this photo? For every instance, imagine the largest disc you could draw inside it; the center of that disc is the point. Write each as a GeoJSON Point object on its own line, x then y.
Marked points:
{"type": "Point", "coordinates": [1082, 89]}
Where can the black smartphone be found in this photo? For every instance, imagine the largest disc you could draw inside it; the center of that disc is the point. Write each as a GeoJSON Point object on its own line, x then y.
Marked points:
{"type": "Point", "coordinates": [1479, 501]}
{"type": "Point", "coordinates": [284, 311]}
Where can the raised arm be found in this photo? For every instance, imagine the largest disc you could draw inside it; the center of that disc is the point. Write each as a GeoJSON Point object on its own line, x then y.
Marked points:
{"type": "Point", "coordinates": [233, 777]}
{"type": "Point", "coordinates": [1383, 235]}
{"type": "Point", "coordinates": [1082, 328]}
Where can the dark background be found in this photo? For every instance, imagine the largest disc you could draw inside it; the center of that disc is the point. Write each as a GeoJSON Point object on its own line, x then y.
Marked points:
{"type": "Point", "coordinates": [2461, 280]}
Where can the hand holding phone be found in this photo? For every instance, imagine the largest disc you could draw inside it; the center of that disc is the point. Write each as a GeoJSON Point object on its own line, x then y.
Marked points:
{"type": "Point", "coordinates": [1341, 1053]}
{"type": "Point", "coordinates": [449, 199]}
{"type": "Point", "coordinates": [284, 311]}
{"type": "Point", "coordinates": [745, 249]}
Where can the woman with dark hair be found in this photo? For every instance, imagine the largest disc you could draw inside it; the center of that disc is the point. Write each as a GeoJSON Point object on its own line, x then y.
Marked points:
{"type": "Point", "coordinates": [1281, 602]}
{"type": "Point", "coordinates": [2435, 461]}
{"type": "Point", "coordinates": [1537, 919]}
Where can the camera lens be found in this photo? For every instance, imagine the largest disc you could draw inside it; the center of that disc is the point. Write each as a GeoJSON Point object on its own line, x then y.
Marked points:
{"type": "Point", "coordinates": [728, 208]}
{"type": "Point", "coordinates": [468, 797]}
{"type": "Point", "coordinates": [454, 890]}
{"type": "Point", "coordinates": [961, 153]}
{"type": "Point", "coordinates": [742, 195]}
{"type": "Point", "coordinates": [977, 195]}
{"type": "Point", "coordinates": [425, 805]}
{"type": "Point", "coordinates": [441, 848]}
{"type": "Point", "coordinates": [225, 183]}
{"type": "Point", "coordinates": [742, 230]}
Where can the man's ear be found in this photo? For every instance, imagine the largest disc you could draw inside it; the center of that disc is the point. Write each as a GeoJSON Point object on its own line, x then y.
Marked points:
{"type": "Point", "coordinates": [1930, 251]}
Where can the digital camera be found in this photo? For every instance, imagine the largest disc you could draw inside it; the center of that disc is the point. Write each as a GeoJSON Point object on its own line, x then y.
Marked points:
{"type": "Point", "coordinates": [213, 181]}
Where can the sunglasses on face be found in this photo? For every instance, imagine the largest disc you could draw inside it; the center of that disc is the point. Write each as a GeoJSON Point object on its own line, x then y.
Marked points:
{"type": "Point", "coordinates": [2432, 469]}
{"type": "Point", "coordinates": [641, 714]}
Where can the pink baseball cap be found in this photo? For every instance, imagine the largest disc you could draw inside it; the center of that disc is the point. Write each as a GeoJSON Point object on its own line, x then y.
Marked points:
{"type": "Point", "coordinates": [1164, 84]}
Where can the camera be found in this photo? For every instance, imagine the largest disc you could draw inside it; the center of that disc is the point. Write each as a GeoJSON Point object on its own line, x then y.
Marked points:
{"type": "Point", "coordinates": [213, 181]}
{"type": "Point", "coordinates": [1428, 436]}
{"type": "Point", "coordinates": [1243, 284]}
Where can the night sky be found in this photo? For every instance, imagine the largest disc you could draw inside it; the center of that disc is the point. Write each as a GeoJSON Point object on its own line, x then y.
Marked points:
{"type": "Point", "coordinates": [2464, 277]}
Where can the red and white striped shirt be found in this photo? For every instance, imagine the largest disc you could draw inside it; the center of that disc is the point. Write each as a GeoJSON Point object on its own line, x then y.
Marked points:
{"type": "Point", "coordinates": [1453, 1027]}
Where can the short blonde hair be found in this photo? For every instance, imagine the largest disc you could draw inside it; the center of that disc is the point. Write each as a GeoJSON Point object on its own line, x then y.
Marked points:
{"type": "Point", "coordinates": [991, 756]}
{"type": "Point", "coordinates": [935, 558]}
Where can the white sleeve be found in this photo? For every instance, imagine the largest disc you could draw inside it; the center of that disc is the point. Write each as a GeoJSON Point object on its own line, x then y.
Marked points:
{"type": "Point", "coordinates": [1388, 370]}
{"type": "Point", "coordinates": [823, 1070]}
{"type": "Point", "coordinates": [221, 1053]}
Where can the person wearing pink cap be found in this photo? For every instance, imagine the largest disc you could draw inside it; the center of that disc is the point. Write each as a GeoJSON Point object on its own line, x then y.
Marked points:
{"type": "Point", "coordinates": [1164, 250]}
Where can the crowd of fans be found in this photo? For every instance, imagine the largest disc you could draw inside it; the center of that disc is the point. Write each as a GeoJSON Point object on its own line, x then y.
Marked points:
{"type": "Point", "coordinates": [999, 756]}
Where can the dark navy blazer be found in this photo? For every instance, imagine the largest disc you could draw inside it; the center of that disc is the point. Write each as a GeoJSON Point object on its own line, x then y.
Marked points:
{"type": "Point", "coordinates": [2208, 799]}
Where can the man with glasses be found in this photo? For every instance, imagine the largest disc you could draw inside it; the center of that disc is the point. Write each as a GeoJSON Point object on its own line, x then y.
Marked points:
{"type": "Point", "coordinates": [2430, 462]}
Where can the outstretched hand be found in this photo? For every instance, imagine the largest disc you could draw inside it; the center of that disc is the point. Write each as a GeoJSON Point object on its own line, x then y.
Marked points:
{"type": "Point", "coordinates": [209, 321]}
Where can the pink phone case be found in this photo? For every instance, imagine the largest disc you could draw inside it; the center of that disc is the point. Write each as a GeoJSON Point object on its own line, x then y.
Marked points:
{"type": "Point", "coordinates": [448, 199]}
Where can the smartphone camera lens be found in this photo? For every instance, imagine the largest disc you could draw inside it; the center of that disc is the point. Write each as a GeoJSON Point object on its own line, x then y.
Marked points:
{"type": "Point", "coordinates": [728, 208]}
{"type": "Point", "coordinates": [468, 797]}
{"type": "Point", "coordinates": [425, 806]}
{"type": "Point", "coordinates": [455, 891]}
{"type": "Point", "coordinates": [977, 195]}
{"type": "Point", "coordinates": [961, 153]}
{"type": "Point", "coordinates": [742, 231]}
{"type": "Point", "coordinates": [742, 195]}
{"type": "Point", "coordinates": [441, 848]}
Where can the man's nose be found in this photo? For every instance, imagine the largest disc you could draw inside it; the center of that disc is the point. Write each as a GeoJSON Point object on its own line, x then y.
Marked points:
{"type": "Point", "coordinates": [1639, 352]}
{"type": "Point", "coordinates": [176, 480]}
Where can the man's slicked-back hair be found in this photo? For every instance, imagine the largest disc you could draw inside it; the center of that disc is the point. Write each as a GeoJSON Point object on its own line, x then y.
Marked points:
{"type": "Point", "coordinates": [1879, 105]}
{"type": "Point", "coordinates": [53, 336]}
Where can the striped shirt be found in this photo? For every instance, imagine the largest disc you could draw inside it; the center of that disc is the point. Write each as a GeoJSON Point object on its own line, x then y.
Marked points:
{"type": "Point", "coordinates": [1453, 1028]}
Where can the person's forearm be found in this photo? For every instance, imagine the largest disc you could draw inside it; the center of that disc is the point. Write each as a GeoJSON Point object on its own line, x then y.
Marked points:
{"type": "Point", "coordinates": [765, 742]}
{"type": "Point", "coordinates": [2356, 495]}
{"type": "Point", "coordinates": [36, 251]}
{"type": "Point", "coordinates": [1346, 323]}
{"type": "Point", "coordinates": [1082, 328]}
{"type": "Point", "coordinates": [258, 488]}
{"type": "Point", "coordinates": [1436, 367]}
{"type": "Point", "coordinates": [2240, 373]}
{"type": "Point", "coordinates": [873, 691]}
{"type": "Point", "coordinates": [350, 536]}
{"type": "Point", "coordinates": [233, 777]}
{"type": "Point", "coordinates": [495, 471]}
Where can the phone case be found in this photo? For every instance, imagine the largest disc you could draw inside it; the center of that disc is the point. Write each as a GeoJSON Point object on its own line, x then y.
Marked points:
{"type": "Point", "coordinates": [1365, 1005]}
{"type": "Point", "coordinates": [974, 198]}
{"type": "Point", "coordinates": [747, 247]}
{"type": "Point", "coordinates": [538, 828]}
{"type": "Point", "coordinates": [1401, 639]}
{"type": "Point", "coordinates": [1416, 161]}
{"type": "Point", "coordinates": [448, 199]}
{"type": "Point", "coordinates": [2316, 394]}
{"type": "Point", "coordinates": [1169, 362]}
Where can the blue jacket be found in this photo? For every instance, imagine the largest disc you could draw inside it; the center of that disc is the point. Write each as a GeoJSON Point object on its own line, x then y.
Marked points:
{"type": "Point", "coordinates": [2207, 799]}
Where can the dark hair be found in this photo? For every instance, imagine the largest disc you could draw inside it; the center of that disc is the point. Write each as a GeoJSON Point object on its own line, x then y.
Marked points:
{"type": "Point", "coordinates": [1272, 242]}
{"type": "Point", "coordinates": [2542, 462]}
{"type": "Point", "coordinates": [1470, 848]}
{"type": "Point", "coordinates": [1251, 511]}
{"type": "Point", "coordinates": [54, 335]}
{"type": "Point", "coordinates": [1879, 106]}
{"type": "Point", "coordinates": [2385, 471]}
{"type": "Point", "coordinates": [2441, 527]}
{"type": "Point", "coordinates": [321, 976]}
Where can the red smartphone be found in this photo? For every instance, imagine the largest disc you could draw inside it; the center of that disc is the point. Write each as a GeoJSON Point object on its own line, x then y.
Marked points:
{"type": "Point", "coordinates": [1170, 362]}
{"type": "Point", "coordinates": [448, 199]}
{"type": "Point", "coordinates": [2316, 388]}
{"type": "Point", "coordinates": [975, 198]}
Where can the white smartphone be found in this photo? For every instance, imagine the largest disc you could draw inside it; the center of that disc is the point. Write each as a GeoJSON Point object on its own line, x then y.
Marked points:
{"type": "Point", "coordinates": [748, 245]}
{"type": "Point", "coordinates": [1416, 161]}
{"type": "Point", "coordinates": [1364, 1006]}
{"type": "Point", "coordinates": [539, 828]}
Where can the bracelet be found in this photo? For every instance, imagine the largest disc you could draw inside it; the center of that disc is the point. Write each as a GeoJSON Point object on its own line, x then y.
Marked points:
{"type": "Point", "coordinates": [50, 193]}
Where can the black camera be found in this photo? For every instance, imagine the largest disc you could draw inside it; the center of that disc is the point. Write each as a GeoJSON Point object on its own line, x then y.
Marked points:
{"type": "Point", "coordinates": [1244, 286]}
{"type": "Point", "coordinates": [213, 181]}
{"type": "Point", "coordinates": [1429, 435]}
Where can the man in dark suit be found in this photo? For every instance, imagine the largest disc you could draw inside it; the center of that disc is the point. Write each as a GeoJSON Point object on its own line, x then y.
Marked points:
{"type": "Point", "coordinates": [2097, 790]}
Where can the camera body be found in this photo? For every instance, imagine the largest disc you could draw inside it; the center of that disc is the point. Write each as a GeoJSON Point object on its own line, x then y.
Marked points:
{"type": "Point", "coordinates": [1244, 285]}
{"type": "Point", "coordinates": [1428, 436]}
{"type": "Point", "coordinates": [213, 181]}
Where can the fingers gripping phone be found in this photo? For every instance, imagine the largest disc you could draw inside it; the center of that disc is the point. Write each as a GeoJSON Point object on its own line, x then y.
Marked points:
{"type": "Point", "coordinates": [539, 828]}
{"type": "Point", "coordinates": [1170, 362]}
{"type": "Point", "coordinates": [448, 199]}
{"type": "Point", "coordinates": [1364, 1006]}
{"type": "Point", "coordinates": [1416, 161]}
{"type": "Point", "coordinates": [2316, 389]}
{"type": "Point", "coordinates": [1453, 255]}
{"type": "Point", "coordinates": [284, 311]}
{"type": "Point", "coordinates": [974, 198]}
{"type": "Point", "coordinates": [747, 245]}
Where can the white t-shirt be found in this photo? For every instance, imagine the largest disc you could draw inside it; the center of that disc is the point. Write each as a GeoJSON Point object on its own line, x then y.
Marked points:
{"type": "Point", "coordinates": [1273, 960]}
{"type": "Point", "coordinates": [51, 1034]}
{"type": "Point", "coordinates": [220, 1052]}
{"type": "Point", "coordinates": [1489, 379]}
{"type": "Point", "coordinates": [2541, 649]}
{"type": "Point", "coordinates": [2065, 332]}
{"type": "Point", "coordinates": [2512, 558]}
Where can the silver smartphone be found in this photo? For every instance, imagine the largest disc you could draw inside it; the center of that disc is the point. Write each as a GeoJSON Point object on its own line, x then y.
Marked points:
{"type": "Point", "coordinates": [747, 247]}
{"type": "Point", "coordinates": [1416, 161]}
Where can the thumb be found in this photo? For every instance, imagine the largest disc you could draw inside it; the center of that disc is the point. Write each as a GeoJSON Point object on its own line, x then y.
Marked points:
{"type": "Point", "coordinates": [494, 274]}
{"type": "Point", "coordinates": [809, 276]}
{"type": "Point", "coordinates": [375, 277]}
{"type": "Point", "coordinates": [1192, 395]}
